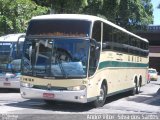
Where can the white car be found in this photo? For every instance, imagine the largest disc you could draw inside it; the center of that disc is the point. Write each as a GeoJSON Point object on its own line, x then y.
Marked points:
{"type": "Point", "coordinates": [9, 80]}
{"type": "Point", "coordinates": [153, 74]}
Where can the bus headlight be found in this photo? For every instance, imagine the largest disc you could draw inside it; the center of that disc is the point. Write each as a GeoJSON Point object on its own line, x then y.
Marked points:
{"type": "Point", "coordinates": [76, 88]}
{"type": "Point", "coordinates": [28, 85]}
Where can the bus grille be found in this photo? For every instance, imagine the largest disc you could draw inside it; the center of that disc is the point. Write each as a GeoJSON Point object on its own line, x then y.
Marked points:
{"type": "Point", "coordinates": [49, 88]}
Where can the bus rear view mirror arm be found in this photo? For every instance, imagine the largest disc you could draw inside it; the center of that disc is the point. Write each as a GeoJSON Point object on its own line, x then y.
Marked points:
{"type": "Point", "coordinates": [95, 44]}
{"type": "Point", "coordinates": [22, 36]}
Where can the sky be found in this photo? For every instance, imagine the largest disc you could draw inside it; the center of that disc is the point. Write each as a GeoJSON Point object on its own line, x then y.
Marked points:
{"type": "Point", "coordinates": [156, 12]}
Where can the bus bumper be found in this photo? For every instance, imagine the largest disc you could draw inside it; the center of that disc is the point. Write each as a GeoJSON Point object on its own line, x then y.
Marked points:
{"type": "Point", "coordinates": [63, 95]}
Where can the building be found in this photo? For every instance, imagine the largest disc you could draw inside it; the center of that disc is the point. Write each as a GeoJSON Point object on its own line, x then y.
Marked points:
{"type": "Point", "coordinates": [153, 35]}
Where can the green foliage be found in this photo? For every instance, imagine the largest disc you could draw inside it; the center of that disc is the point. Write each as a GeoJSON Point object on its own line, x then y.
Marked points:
{"type": "Point", "coordinates": [15, 14]}
{"type": "Point", "coordinates": [94, 7]}
{"type": "Point", "coordinates": [69, 6]}
{"type": "Point", "coordinates": [130, 14]}
{"type": "Point", "coordinates": [135, 14]}
{"type": "Point", "coordinates": [63, 6]}
{"type": "Point", "coordinates": [110, 9]}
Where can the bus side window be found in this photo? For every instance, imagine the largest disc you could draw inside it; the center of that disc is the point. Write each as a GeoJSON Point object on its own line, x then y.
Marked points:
{"type": "Point", "coordinates": [107, 37]}
{"type": "Point", "coordinates": [96, 33]}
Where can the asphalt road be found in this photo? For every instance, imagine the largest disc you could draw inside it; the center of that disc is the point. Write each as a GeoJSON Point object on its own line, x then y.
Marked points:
{"type": "Point", "coordinates": [13, 107]}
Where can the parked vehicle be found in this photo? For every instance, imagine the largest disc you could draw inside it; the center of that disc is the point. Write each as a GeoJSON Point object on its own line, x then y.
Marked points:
{"type": "Point", "coordinates": [10, 60]}
{"type": "Point", "coordinates": [148, 78]}
{"type": "Point", "coordinates": [153, 74]}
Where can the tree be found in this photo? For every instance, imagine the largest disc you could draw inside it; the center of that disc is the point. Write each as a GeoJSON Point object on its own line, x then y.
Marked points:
{"type": "Point", "coordinates": [147, 14]}
{"type": "Point", "coordinates": [133, 14]}
{"type": "Point", "coordinates": [63, 6]}
{"type": "Point", "coordinates": [15, 14]}
{"type": "Point", "coordinates": [93, 7]}
{"type": "Point", "coordinates": [110, 10]}
{"type": "Point", "coordinates": [129, 14]}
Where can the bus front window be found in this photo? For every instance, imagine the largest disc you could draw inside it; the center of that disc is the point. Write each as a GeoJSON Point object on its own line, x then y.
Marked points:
{"type": "Point", "coordinates": [58, 57]}
{"type": "Point", "coordinates": [9, 60]}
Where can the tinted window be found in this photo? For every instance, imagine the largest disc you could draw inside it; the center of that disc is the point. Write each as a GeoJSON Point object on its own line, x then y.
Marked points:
{"type": "Point", "coordinates": [59, 28]}
{"type": "Point", "coordinates": [107, 36]}
{"type": "Point", "coordinates": [120, 41]}
{"type": "Point", "coordinates": [152, 71]}
{"type": "Point", "coordinates": [96, 33]}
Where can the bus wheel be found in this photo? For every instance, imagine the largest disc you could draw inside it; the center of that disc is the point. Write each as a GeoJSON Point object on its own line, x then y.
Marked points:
{"type": "Point", "coordinates": [102, 98]}
{"type": "Point", "coordinates": [138, 87]}
{"type": "Point", "coordinates": [133, 92]}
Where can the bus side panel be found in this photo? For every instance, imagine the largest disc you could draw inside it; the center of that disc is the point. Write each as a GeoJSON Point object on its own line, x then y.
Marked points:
{"type": "Point", "coordinates": [119, 73]}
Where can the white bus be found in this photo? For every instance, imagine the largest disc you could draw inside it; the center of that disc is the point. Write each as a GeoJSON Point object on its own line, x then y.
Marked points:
{"type": "Point", "coordinates": [81, 58]}
{"type": "Point", "coordinates": [10, 60]}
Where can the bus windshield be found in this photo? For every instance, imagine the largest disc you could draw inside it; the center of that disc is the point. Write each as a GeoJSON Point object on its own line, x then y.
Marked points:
{"type": "Point", "coordinates": [55, 57]}
{"type": "Point", "coordinates": [9, 59]}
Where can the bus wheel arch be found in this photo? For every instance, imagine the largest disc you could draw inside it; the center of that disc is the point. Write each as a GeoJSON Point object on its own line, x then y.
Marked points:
{"type": "Point", "coordinates": [104, 82]}
{"type": "Point", "coordinates": [100, 101]}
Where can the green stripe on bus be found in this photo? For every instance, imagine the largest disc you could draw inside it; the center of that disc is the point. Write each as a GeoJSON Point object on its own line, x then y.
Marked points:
{"type": "Point", "coordinates": [120, 64]}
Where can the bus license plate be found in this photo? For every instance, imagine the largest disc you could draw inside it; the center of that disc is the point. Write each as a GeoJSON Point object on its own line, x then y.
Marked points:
{"type": "Point", "coordinates": [6, 84]}
{"type": "Point", "coordinates": [48, 95]}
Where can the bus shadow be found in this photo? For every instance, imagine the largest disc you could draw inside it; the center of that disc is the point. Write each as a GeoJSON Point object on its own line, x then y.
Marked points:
{"type": "Point", "coordinates": [69, 107]}
{"type": "Point", "coordinates": [74, 107]}
{"type": "Point", "coordinates": [63, 106]}
{"type": "Point", "coordinates": [117, 97]}
{"type": "Point", "coordinates": [150, 99]}
{"type": "Point", "coordinates": [57, 106]}
{"type": "Point", "coordinates": [9, 90]}
{"type": "Point", "coordinates": [155, 83]}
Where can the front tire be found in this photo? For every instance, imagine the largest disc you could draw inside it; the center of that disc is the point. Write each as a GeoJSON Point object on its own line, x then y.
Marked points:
{"type": "Point", "coordinates": [100, 101]}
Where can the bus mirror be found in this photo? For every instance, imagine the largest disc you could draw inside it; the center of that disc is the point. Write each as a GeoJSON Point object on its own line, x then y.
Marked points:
{"type": "Point", "coordinates": [18, 41]}
{"type": "Point", "coordinates": [95, 44]}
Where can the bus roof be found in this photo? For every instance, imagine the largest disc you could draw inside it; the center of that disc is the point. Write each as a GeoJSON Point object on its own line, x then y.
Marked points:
{"type": "Point", "coordinates": [68, 16]}
{"type": "Point", "coordinates": [11, 37]}
{"type": "Point", "coordinates": [84, 17]}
